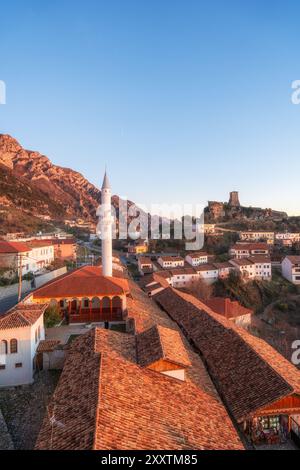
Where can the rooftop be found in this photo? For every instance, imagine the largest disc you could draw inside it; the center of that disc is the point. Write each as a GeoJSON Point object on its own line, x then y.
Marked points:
{"type": "Point", "coordinates": [114, 403]}
{"type": "Point", "coordinates": [13, 247]}
{"type": "Point", "coordinates": [251, 374]}
{"type": "Point", "coordinates": [21, 316]}
{"type": "Point", "coordinates": [85, 281]}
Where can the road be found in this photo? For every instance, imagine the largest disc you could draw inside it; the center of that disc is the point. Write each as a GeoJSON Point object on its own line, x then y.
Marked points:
{"type": "Point", "coordinates": [9, 302]}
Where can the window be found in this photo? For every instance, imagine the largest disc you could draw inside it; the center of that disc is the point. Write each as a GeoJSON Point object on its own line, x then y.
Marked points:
{"type": "Point", "coordinates": [39, 332]}
{"type": "Point", "coordinates": [2, 366]}
{"type": "Point", "coordinates": [35, 336]}
{"type": "Point", "coordinates": [4, 347]}
{"type": "Point", "coordinates": [18, 365]}
{"type": "Point", "coordinates": [13, 346]}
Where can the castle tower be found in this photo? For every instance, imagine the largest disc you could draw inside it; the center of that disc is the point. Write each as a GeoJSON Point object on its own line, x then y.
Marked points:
{"type": "Point", "coordinates": [234, 199]}
{"type": "Point", "coordinates": [106, 222]}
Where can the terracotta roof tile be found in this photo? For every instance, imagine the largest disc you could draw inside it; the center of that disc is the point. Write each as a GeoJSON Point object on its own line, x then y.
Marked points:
{"type": "Point", "coordinates": [85, 281]}
{"type": "Point", "coordinates": [13, 247]}
{"type": "Point", "coordinates": [250, 374]}
{"type": "Point", "coordinates": [105, 400]}
{"type": "Point", "coordinates": [21, 315]}
{"type": "Point", "coordinates": [161, 343]}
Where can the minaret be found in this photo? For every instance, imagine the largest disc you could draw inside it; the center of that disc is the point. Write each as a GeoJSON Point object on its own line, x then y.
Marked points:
{"type": "Point", "coordinates": [106, 222]}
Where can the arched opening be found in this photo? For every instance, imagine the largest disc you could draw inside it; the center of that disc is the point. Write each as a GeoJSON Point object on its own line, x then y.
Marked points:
{"type": "Point", "coordinates": [106, 305]}
{"type": "Point", "coordinates": [13, 346]}
{"type": "Point", "coordinates": [53, 303]}
{"type": "Point", "coordinates": [3, 347]}
{"type": "Point", "coordinates": [85, 303]}
{"type": "Point", "coordinates": [74, 305]}
{"type": "Point", "coordinates": [116, 304]}
{"type": "Point", "coordinates": [96, 303]}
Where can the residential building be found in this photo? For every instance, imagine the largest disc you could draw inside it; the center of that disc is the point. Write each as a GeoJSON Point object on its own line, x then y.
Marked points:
{"type": "Point", "coordinates": [253, 267]}
{"type": "Point", "coordinates": [230, 309]}
{"type": "Point", "coordinates": [15, 255]}
{"type": "Point", "coordinates": [207, 272]}
{"type": "Point", "coordinates": [137, 247]}
{"type": "Point", "coordinates": [196, 258]}
{"type": "Point", "coordinates": [167, 262]}
{"type": "Point", "coordinates": [257, 236]}
{"type": "Point", "coordinates": [244, 250]}
{"type": "Point", "coordinates": [145, 265]}
{"type": "Point", "coordinates": [209, 229]}
{"type": "Point", "coordinates": [21, 330]}
{"type": "Point", "coordinates": [41, 254]}
{"type": "Point", "coordinates": [224, 269]}
{"type": "Point", "coordinates": [64, 248]}
{"type": "Point", "coordinates": [291, 269]}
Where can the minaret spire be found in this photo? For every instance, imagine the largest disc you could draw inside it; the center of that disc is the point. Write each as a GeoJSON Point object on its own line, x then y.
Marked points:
{"type": "Point", "coordinates": [106, 222]}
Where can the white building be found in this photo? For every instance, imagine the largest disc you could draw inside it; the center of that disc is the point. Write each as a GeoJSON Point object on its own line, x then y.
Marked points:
{"type": "Point", "coordinates": [256, 236]}
{"type": "Point", "coordinates": [167, 262]}
{"type": "Point", "coordinates": [32, 255]}
{"type": "Point", "coordinates": [253, 268]}
{"type": "Point", "coordinates": [243, 250]}
{"type": "Point", "coordinates": [41, 255]}
{"type": "Point", "coordinates": [195, 259]}
{"type": "Point", "coordinates": [207, 272]}
{"type": "Point", "coordinates": [291, 269]}
{"type": "Point", "coordinates": [145, 265]}
{"type": "Point", "coordinates": [183, 277]}
{"type": "Point", "coordinates": [21, 330]}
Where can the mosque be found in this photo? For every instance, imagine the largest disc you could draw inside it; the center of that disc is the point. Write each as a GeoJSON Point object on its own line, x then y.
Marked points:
{"type": "Point", "coordinates": [90, 293]}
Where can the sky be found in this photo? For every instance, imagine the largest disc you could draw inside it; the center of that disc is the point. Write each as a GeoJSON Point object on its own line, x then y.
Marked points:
{"type": "Point", "coordinates": [183, 101]}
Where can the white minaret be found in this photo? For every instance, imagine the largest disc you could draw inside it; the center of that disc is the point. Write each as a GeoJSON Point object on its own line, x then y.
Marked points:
{"type": "Point", "coordinates": [106, 223]}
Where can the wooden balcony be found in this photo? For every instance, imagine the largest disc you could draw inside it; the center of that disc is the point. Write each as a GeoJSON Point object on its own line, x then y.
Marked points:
{"type": "Point", "coordinates": [86, 315]}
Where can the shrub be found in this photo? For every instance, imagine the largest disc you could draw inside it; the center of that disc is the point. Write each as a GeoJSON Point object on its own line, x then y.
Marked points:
{"type": "Point", "coordinates": [52, 316]}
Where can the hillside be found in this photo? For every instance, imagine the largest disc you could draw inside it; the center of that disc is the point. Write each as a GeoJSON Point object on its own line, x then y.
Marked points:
{"type": "Point", "coordinates": [55, 183]}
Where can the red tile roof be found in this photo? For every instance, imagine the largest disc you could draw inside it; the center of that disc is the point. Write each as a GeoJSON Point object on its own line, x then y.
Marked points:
{"type": "Point", "coordinates": [249, 374]}
{"type": "Point", "coordinates": [105, 400]}
{"type": "Point", "coordinates": [13, 247]}
{"type": "Point", "coordinates": [47, 345]}
{"type": "Point", "coordinates": [86, 281]}
{"type": "Point", "coordinates": [21, 315]}
{"type": "Point", "coordinates": [294, 259]}
{"type": "Point", "coordinates": [196, 255]}
{"type": "Point", "coordinates": [161, 343]}
{"type": "Point", "coordinates": [251, 246]}
{"type": "Point", "coordinates": [227, 307]}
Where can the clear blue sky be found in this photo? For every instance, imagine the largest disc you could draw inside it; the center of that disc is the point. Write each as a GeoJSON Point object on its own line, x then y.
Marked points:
{"type": "Point", "coordinates": [184, 100]}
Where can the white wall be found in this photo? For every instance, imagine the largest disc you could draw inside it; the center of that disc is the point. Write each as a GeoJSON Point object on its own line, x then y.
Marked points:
{"type": "Point", "coordinates": [12, 376]}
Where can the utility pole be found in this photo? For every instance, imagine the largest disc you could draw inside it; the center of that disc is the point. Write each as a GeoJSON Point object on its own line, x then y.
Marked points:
{"type": "Point", "coordinates": [20, 279]}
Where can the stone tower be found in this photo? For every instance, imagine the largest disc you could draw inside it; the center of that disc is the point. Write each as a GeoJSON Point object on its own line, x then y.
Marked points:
{"type": "Point", "coordinates": [234, 199]}
{"type": "Point", "coordinates": [106, 223]}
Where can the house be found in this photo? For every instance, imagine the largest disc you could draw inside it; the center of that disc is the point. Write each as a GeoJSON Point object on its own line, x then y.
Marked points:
{"type": "Point", "coordinates": [290, 267]}
{"type": "Point", "coordinates": [13, 255]}
{"type": "Point", "coordinates": [253, 267]}
{"type": "Point", "coordinates": [140, 391]}
{"type": "Point", "coordinates": [257, 236]}
{"type": "Point", "coordinates": [64, 248]}
{"type": "Point", "coordinates": [243, 250]}
{"type": "Point", "coordinates": [41, 254]}
{"type": "Point", "coordinates": [21, 330]}
{"type": "Point", "coordinates": [137, 247]}
{"type": "Point", "coordinates": [182, 277]}
{"type": "Point", "coordinates": [260, 388]}
{"type": "Point", "coordinates": [224, 269]}
{"type": "Point", "coordinates": [167, 262]}
{"type": "Point", "coordinates": [145, 265]}
{"type": "Point", "coordinates": [196, 258]}
{"type": "Point", "coordinates": [230, 309]}
{"type": "Point", "coordinates": [209, 229]}
{"type": "Point", "coordinates": [207, 272]}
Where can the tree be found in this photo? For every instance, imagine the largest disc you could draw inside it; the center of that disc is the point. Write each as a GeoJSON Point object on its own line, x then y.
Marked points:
{"type": "Point", "coordinates": [52, 316]}
{"type": "Point", "coordinates": [200, 289]}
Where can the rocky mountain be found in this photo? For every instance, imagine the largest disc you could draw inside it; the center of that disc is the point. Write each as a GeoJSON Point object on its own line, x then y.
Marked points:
{"type": "Point", "coordinates": [55, 183]}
